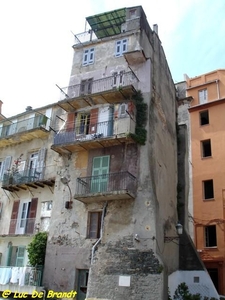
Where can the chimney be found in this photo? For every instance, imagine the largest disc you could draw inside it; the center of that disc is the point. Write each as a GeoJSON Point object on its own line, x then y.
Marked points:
{"type": "Point", "coordinates": [155, 28]}
{"type": "Point", "coordinates": [28, 108]}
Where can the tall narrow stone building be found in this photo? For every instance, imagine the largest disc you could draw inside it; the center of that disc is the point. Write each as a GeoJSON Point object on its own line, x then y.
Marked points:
{"type": "Point", "coordinates": [116, 184]}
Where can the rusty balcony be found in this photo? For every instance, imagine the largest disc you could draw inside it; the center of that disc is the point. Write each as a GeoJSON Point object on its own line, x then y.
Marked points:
{"type": "Point", "coordinates": [112, 186]}
{"type": "Point", "coordinates": [106, 134]}
{"type": "Point", "coordinates": [22, 180]}
{"type": "Point", "coordinates": [24, 130]}
{"type": "Point", "coordinates": [112, 89]}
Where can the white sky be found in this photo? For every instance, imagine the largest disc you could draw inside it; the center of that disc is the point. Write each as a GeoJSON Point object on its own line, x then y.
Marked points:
{"type": "Point", "coordinates": [36, 42]}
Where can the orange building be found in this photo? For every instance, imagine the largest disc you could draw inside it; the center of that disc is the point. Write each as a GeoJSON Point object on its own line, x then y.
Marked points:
{"type": "Point", "coordinates": [207, 117]}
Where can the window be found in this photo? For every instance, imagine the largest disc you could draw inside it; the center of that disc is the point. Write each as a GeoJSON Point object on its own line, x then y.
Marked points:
{"type": "Point", "coordinates": [118, 78]}
{"type": "Point", "coordinates": [121, 47]}
{"type": "Point", "coordinates": [203, 96]}
{"type": "Point", "coordinates": [206, 148]}
{"type": "Point", "coordinates": [82, 284]}
{"type": "Point", "coordinates": [88, 56]}
{"type": "Point", "coordinates": [94, 224]}
{"type": "Point", "coordinates": [133, 13]}
{"type": "Point", "coordinates": [204, 117]}
{"type": "Point", "coordinates": [123, 110]}
{"type": "Point", "coordinates": [82, 123]}
{"type": "Point", "coordinates": [16, 256]}
{"type": "Point", "coordinates": [100, 174]}
{"type": "Point", "coordinates": [4, 166]}
{"type": "Point", "coordinates": [196, 279]}
{"type": "Point", "coordinates": [210, 236]}
{"type": "Point", "coordinates": [208, 189]}
{"type": "Point", "coordinates": [86, 86]}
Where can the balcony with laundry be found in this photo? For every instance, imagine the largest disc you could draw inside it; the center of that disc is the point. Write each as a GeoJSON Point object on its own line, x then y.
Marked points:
{"type": "Point", "coordinates": [14, 131]}
{"type": "Point", "coordinates": [20, 279]}
{"type": "Point", "coordinates": [100, 127]}
{"type": "Point", "coordinates": [112, 89]}
{"type": "Point", "coordinates": [110, 186]}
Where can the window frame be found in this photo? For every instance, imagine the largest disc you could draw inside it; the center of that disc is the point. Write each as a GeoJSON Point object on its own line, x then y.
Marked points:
{"type": "Point", "coordinates": [203, 96]}
{"type": "Point", "coordinates": [91, 224]}
{"type": "Point", "coordinates": [88, 56]}
{"type": "Point", "coordinates": [201, 117]}
{"type": "Point", "coordinates": [210, 240]}
{"type": "Point", "coordinates": [204, 189]}
{"type": "Point", "coordinates": [121, 47]}
{"type": "Point", "coordinates": [204, 150]}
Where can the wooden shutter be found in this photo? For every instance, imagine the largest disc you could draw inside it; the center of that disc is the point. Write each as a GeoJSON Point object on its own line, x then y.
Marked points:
{"type": "Point", "coordinates": [70, 121]}
{"type": "Point", "coordinates": [20, 256]}
{"type": "Point", "coordinates": [6, 165]}
{"type": "Point", "coordinates": [100, 167]}
{"type": "Point", "coordinates": [14, 215]}
{"type": "Point", "coordinates": [32, 216]}
{"type": "Point", "coordinates": [41, 162]}
{"type": "Point", "coordinates": [93, 120]}
{"type": "Point", "coordinates": [94, 225]}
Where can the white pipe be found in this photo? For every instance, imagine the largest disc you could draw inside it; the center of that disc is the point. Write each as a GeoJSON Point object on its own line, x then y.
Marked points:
{"type": "Point", "coordinates": [101, 232]}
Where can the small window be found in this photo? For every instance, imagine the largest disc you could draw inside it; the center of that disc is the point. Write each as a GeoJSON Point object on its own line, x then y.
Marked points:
{"type": "Point", "coordinates": [94, 224]}
{"type": "Point", "coordinates": [133, 13]}
{"type": "Point", "coordinates": [208, 189]}
{"type": "Point", "coordinates": [203, 96]}
{"type": "Point", "coordinates": [88, 56]}
{"type": "Point", "coordinates": [206, 148]}
{"type": "Point", "coordinates": [204, 117]}
{"type": "Point", "coordinates": [210, 236]}
{"type": "Point", "coordinates": [49, 205]}
{"type": "Point", "coordinates": [196, 279]}
{"type": "Point", "coordinates": [121, 47]}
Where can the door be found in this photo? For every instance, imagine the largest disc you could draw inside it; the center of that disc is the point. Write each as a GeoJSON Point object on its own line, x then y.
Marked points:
{"type": "Point", "coordinates": [32, 164]}
{"type": "Point", "coordinates": [103, 121]}
{"type": "Point", "coordinates": [100, 174]}
{"type": "Point", "coordinates": [22, 217]}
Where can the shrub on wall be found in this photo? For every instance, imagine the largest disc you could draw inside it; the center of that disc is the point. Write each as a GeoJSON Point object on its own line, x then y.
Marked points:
{"type": "Point", "coordinates": [37, 248]}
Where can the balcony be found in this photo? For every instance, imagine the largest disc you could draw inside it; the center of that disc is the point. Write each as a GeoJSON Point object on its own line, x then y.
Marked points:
{"type": "Point", "coordinates": [21, 131]}
{"type": "Point", "coordinates": [108, 133]}
{"type": "Point", "coordinates": [112, 89]}
{"type": "Point", "coordinates": [22, 226]}
{"type": "Point", "coordinates": [22, 279]}
{"type": "Point", "coordinates": [22, 180]}
{"type": "Point", "coordinates": [112, 186]}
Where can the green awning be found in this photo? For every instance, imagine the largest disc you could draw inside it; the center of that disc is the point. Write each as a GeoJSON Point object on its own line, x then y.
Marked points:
{"type": "Point", "coordinates": [107, 24]}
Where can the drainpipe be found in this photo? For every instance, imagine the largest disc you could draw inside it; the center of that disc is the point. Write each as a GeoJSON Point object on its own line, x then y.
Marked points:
{"type": "Point", "coordinates": [217, 87]}
{"type": "Point", "coordinates": [101, 232]}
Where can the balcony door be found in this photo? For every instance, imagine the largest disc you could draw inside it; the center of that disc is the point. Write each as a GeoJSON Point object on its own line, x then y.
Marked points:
{"type": "Point", "coordinates": [22, 217]}
{"type": "Point", "coordinates": [100, 171]}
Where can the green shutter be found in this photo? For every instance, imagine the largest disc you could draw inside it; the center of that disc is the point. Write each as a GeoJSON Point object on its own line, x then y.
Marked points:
{"type": "Point", "coordinates": [99, 169]}
{"type": "Point", "coordinates": [20, 256]}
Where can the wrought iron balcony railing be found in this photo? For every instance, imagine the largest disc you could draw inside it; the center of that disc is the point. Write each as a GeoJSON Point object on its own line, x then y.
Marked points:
{"type": "Point", "coordinates": [106, 183]}
{"type": "Point", "coordinates": [22, 177]}
{"type": "Point", "coordinates": [97, 86]}
{"type": "Point", "coordinates": [39, 121]}
{"type": "Point", "coordinates": [21, 276]}
{"type": "Point", "coordinates": [22, 226]}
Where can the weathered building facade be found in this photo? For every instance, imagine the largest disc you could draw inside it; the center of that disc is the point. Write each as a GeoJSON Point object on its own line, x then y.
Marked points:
{"type": "Point", "coordinates": [207, 143]}
{"type": "Point", "coordinates": [116, 183]}
{"type": "Point", "coordinates": [27, 174]}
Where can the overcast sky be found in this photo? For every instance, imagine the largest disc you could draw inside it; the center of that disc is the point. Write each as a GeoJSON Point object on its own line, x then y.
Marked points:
{"type": "Point", "coordinates": [36, 42]}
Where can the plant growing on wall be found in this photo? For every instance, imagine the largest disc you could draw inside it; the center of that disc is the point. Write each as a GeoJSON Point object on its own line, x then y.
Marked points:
{"type": "Point", "coordinates": [15, 166]}
{"type": "Point", "coordinates": [37, 248]}
{"type": "Point", "coordinates": [140, 134]}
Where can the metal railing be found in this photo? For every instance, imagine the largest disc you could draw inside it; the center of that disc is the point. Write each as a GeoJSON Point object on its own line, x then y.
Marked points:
{"type": "Point", "coordinates": [25, 176]}
{"type": "Point", "coordinates": [81, 133]}
{"type": "Point", "coordinates": [21, 276]}
{"type": "Point", "coordinates": [22, 226]}
{"type": "Point", "coordinates": [111, 182]}
{"type": "Point", "coordinates": [100, 85]}
{"type": "Point", "coordinates": [21, 126]}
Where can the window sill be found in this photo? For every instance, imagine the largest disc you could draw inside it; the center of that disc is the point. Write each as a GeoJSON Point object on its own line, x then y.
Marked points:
{"type": "Point", "coordinates": [206, 157]}
{"type": "Point", "coordinates": [213, 248]}
{"type": "Point", "coordinates": [210, 199]}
